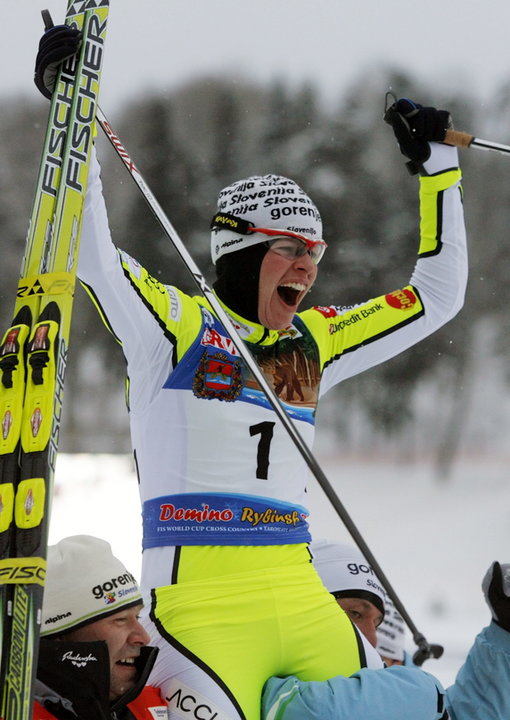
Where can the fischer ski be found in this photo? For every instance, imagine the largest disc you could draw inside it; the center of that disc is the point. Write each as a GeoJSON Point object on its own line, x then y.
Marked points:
{"type": "Point", "coordinates": [33, 357]}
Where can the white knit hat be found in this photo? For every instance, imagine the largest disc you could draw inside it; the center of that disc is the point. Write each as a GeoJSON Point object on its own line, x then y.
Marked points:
{"type": "Point", "coordinates": [343, 569]}
{"type": "Point", "coordinates": [84, 583]}
{"type": "Point", "coordinates": [391, 633]}
{"type": "Point", "coordinates": [265, 201]}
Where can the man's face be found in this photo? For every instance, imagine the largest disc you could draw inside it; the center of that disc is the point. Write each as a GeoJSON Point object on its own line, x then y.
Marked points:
{"type": "Point", "coordinates": [124, 636]}
{"type": "Point", "coordinates": [364, 615]}
{"type": "Point", "coordinates": [283, 283]}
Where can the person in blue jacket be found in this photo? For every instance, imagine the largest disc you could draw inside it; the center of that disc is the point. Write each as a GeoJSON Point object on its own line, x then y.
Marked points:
{"type": "Point", "coordinates": [480, 688]}
{"type": "Point", "coordinates": [480, 691]}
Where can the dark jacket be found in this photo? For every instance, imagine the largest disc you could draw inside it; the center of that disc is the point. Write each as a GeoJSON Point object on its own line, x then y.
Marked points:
{"type": "Point", "coordinates": [73, 683]}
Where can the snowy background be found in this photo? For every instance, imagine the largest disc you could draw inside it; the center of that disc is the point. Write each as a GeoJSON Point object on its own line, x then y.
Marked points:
{"type": "Point", "coordinates": [433, 540]}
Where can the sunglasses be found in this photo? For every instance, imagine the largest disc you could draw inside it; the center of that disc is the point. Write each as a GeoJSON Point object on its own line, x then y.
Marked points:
{"type": "Point", "coordinates": [291, 245]}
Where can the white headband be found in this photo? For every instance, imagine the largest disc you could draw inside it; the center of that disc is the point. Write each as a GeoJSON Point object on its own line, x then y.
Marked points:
{"type": "Point", "coordinates": [268, 201]}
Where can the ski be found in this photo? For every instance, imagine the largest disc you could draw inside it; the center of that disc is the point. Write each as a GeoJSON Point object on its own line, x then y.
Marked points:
{"type": "Point", "coordinates": [33, 357]}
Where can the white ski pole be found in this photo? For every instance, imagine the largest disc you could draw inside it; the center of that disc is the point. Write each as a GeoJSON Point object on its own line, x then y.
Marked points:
{"type": "Point", "coordinates": [463, 139]}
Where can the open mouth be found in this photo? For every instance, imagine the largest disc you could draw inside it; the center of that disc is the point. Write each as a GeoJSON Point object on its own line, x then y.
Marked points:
{"type": "Point", "coordinates": [289, 293]}
{"type": "Point", "coordinates": [126, 662]}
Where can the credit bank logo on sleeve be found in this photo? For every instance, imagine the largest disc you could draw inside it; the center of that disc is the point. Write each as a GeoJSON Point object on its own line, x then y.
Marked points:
{"type": "Point", "coordinates": [185, 702]}
{"type": "Point", "coordinates": [354, 315]}
{"type": "Point", "coordinates": [403, 299]}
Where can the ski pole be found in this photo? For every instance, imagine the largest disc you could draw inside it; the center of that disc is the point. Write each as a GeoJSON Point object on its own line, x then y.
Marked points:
{"type": "Point", "coordinates": [463, 139]}
{"type": "Point", "coordinates": [425, 649]}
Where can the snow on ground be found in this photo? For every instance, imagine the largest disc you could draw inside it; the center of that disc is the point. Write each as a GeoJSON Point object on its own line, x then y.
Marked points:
{"type": "Point", "coordinates": [434, 540]}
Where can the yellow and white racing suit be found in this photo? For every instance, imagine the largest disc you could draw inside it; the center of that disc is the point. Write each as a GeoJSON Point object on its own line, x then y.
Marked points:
{"type": "Point", "coordinates": [234, 597]}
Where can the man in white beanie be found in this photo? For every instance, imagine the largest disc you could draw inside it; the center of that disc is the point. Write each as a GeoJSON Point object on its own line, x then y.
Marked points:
{"type": "Point", "coordinates": [235, 597]}
{"type": "Point", "coordinates": [94, 659]}
{"type": "Point", "coordinates": [352, 582]}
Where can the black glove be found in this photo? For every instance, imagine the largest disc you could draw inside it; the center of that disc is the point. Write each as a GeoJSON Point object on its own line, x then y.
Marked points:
{"type": "Point", "coordinates": [56, 45]}
{"type": "Point", "coordinates": [496, 588]}
{"type": "Point", "coordinates": [414, 127]}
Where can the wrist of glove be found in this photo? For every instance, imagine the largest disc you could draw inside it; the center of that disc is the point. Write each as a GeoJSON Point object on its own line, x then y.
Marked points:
{"type": "Point", "coordinates": [56, 45]}
{"type": "Point", "coordinates": [496, 588]}
{"type": "Point", "coordinates": [415, 127]}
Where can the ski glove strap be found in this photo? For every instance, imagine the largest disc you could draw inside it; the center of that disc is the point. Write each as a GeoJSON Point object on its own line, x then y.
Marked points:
{"type": "Point", "coordinates": [414, 127]}
{"type": "Point", "coordinates": [56, 45]}
{"type": "Point", "coordinates": [496, 588]}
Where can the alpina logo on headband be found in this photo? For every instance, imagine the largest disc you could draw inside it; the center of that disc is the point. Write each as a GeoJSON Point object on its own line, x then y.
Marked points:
{"type": "Point", "coordinates": [229, 243]}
